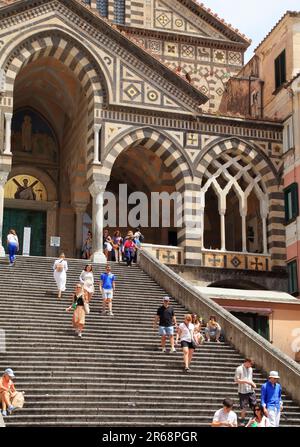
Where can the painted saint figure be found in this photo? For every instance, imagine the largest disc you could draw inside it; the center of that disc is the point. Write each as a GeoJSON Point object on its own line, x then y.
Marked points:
{"type": "Point", "coordinates": [26, 134]}
{"type": "Point", "coordinates": [26, 191]}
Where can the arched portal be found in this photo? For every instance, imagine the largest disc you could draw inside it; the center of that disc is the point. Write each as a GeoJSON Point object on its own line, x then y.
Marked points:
{"type": "Point", "coordinates": [56, 87]}
{"type": "Point", "coordinates": [148, 162]}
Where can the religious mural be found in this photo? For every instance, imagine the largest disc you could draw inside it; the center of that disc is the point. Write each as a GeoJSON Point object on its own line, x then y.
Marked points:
{"type": "Point", "coordinates": [31, 134]}
{"type": "Point", "coordinates": [25, 187]}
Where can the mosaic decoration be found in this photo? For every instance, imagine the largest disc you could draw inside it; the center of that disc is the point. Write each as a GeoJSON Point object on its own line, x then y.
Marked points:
{"type": "Point", "coordinates": [25, 187]}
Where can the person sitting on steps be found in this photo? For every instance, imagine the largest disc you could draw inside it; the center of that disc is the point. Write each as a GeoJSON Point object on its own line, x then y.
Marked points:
{"type": "Point", "coordinates": [213, 330]}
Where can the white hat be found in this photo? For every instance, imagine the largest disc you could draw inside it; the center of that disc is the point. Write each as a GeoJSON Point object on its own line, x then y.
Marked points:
{"type": "Point", "coordinates": [10, 373]}
{"type": "Point", "coordinates": [274, 375]}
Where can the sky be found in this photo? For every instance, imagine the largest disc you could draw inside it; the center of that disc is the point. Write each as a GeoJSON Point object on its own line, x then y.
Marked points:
{"type": "Point", "coordinates": [254, 19]}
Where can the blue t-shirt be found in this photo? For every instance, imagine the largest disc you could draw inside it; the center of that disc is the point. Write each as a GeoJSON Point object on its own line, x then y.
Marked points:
{"type": "Point", "coordinates": [107, 280]}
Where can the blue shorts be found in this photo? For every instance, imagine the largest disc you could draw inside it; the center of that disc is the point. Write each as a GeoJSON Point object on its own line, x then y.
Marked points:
{"type": "Point", "coordinates": [166, 330]}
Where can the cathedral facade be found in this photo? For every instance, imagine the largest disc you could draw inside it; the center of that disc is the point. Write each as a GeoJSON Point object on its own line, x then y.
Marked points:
{"type": "Point", "coordinates": [95, 94]}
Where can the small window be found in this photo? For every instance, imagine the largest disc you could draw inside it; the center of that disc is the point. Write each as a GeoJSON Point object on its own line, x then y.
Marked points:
{"type": "Point", "coordinates": [291, 202]}
{"type": "Point", "coordinates": [102, 6]}
{"type": "Point", "coordinates": [293, 277]}
{"type": "Point", "coordinates": [280, 70]}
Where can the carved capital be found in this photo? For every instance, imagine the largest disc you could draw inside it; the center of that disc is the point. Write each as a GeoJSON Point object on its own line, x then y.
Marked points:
{"type": "Point", "coordinates": [3, 178]}
{"type": "Point", "coordinates": [97, 188]}
{"type": "Point", "coordinates": [97, 127]}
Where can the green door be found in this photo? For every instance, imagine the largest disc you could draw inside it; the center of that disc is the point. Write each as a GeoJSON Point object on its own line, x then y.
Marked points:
{"type": "Point", "coordinates": [36, 220]}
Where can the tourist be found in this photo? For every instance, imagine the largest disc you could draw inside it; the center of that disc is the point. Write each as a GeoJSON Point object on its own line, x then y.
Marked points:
{"type": "Point", "coordinates": [129, 248]}
{"type": "Point", "coordinates": [60, 268]}
{"type": "Point", "coordinates": [107, 289]}
{"type": "Point", "coordinates": [225, 417]}
{"type": "Point", "coordinates": [138, 245]}
{"type": "Point", "coordinates": [7, 391]}
{"type": "Point", "coordinates": [78, 300]}
{"type": "Point", "coordinates": [213, 330]}
{"type": "Point", "coordinates": [198, 337]}
{"type": "Point", "coordinates": [12, 246]}
{"type": "Point", "coordinates": [166, 318]}
{"type": "Point", "coordinates": [246, 386]}
{"type": "Point", "coordinates": [271, 399]}
{"type": "Point", "coordinates": [259, 419]}
{"type": "Point", "coordinates": [186, 334]}
{"type": "Point", "coordinates": [117, 246]}
{"type": "Point", "coordinates": [87, 246]}
{"type": "Point", "coordinates": [107, 244]}
{"type": "Point", "coordinates": [87, 281]}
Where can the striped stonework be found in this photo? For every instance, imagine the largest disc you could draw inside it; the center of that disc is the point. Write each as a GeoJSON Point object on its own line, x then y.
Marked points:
{"type": "Point", "coordinates": [157, 142]}
{"type": "Point", "coordinates": [70, 53]}
{"type": "Point", "coordinates": [269, 180]}
{"type": "Point", "coordinates": [137, 13]}
{"type": "Point", "coordinates": [111, 10]}
{"type": "Point", "coordinates": [128, 12]}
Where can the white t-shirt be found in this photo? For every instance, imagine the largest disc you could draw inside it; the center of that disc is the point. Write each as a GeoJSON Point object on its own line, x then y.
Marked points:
{"type": "Point", "coordinates": [12, 238]}
{"type": "Point", "coordinates": [221, 416]}
{"type": "Point", "coordinates": [186, 332]}
{"type": "Point", "coordinates": [242, 372]}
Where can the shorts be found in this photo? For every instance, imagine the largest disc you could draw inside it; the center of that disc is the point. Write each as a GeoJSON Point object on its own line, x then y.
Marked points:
{"type": "Point", "coordinates": [166, 330]}
{"type": "Point", "coordinates": [107, 294]}
{"type": "Point", "coordinates": [187, 344]}
{"type": "Point", "coordinates": [247, 400]}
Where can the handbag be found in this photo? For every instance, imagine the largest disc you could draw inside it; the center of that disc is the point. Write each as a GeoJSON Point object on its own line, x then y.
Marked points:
{"type": "Point", "coordinates": [86, 307]}
{"type": "Point", "coordinates": [18, 400]}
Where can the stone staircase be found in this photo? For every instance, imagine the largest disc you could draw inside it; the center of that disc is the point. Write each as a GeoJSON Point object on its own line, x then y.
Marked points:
{"type": "Point", "coordinates": [115, 375]}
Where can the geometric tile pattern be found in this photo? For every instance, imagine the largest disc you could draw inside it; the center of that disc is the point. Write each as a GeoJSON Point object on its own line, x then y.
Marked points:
{"type": "Point", "coordinates": [237, 261]}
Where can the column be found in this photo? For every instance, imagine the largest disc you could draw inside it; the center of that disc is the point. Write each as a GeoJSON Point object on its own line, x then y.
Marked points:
{"type": "Point", "coordinates": [3, 178]}
{"type": "Point", "coordinates": [7, 148]}
{"type": "Point", "coordinates": [202, 226]}
{"type": "Point", "coordinates": [264, 211]}
{"type": "Point", "coordinates": [97, 128]}
{"type": "Point", "coordinates": [97, 190]}
{"type": "Point", "coordinates": [265, 238]}
{"type": "Point", "coordinates": [244, 230]}
{"type": "Point", "coordinates": [223, 231]}
{"type": "Point", "coordinates": [79, 212]}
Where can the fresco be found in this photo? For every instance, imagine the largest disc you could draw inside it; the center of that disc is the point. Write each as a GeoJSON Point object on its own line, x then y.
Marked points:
{"type": "Point", "coordinates": [31, 134]}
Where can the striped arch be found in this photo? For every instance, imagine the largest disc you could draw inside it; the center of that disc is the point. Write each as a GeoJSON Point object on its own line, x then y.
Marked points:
{"type": "Point", "coordinates": [72, 54]}
{"type": "Point", "coordinates": [271, 181]}
{"type": "Point", "coordinates": [157, 142]}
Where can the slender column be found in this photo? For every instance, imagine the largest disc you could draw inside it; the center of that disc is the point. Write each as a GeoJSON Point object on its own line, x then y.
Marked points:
{"type": "Point", "coordinates": [244, 230]}
{"type": "Point", "coordinates": [8, 118]}
{"type": "Point", "coordinates": [97, 128]}
{"type": "Point", "coordinates": [264, 211]}
{"type": "Point", "coordinates": [202, 227]}
{"type": "Point", "coordinates": [265, 238]}
{"type": "Point", "coordinates": [97, 190]}
{"type": "Point", "coordinates": [3, 178]}
{"type": "Point", "coordinates": [79, 211]}
{"type": "Point", "coordinates": [223, 231]}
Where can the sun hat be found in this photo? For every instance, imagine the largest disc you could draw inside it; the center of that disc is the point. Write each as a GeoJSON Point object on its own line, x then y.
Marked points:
{"type": "Point", "coordinates": [274, 375]}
